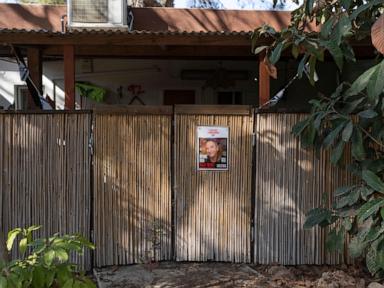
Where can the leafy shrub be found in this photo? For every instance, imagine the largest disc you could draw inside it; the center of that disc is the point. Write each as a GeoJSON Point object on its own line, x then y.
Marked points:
{"type": "Point", "coordinates": [44, 262]}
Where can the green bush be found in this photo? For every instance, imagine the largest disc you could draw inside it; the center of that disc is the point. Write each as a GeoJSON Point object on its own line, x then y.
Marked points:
{"type": "Point", "coordinates": [44, 262]}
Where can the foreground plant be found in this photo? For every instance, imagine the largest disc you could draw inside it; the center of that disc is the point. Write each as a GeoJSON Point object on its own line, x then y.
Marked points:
{"type": "Point", "coordinates": [44, 262]}
{"type": "Point", "coordinates": [351, 119]}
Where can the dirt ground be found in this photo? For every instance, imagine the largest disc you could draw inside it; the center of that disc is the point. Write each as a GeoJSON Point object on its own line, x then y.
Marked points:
{"type": "Point", "coordinates": [171, 274]}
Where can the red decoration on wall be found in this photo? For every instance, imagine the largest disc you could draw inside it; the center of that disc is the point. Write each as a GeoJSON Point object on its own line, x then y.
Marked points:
{"type": "Point", "coordinates": [136, 91]}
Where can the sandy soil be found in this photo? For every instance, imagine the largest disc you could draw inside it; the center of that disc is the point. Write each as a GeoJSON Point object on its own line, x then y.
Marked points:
{"type": "Point", "coordinates": [171, 274]}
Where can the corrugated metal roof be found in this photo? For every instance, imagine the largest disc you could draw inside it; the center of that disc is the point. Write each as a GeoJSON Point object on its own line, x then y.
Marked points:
{"type": "Point", "coordinates": [123, 32]}
{"type": "Point", "coordinates": [164, 21]}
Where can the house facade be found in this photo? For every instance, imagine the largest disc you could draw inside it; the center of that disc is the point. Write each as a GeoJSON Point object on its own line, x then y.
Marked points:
{"type": "Point", "coordinates": [172, 56]}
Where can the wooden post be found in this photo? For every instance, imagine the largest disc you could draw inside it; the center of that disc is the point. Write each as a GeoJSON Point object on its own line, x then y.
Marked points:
{"type": "Point", "coordinates": [35, 67]}
{"type": "Point", "coordinates": [69, 76]}
{"type": "Point", "coordinates": [264, 84]}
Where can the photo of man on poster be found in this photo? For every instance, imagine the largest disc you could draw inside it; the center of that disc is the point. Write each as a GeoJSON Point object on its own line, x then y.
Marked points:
{"type": "Point", "coordinates": [213, 148]}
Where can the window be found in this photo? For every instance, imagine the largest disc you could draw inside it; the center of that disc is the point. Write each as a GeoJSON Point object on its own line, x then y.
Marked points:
{"type": "Point", "coordinates": [21, 97]}
{"type": "Point", "coordinates": [229, 98]}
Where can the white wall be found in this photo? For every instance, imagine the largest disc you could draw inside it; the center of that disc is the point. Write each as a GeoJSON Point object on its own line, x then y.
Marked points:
{"type": "Point", "coordinates": [154, 76]}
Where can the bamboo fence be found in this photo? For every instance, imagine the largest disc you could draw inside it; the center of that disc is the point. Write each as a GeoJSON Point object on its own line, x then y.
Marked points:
{"type": "Point", "coordinates": [45, 180]}
{"type": "Point", "coordinates": [132, 204]}
{"type": "Point", "coordinates": [144, 198]}
{"type": "Point", "coordinates": [289, 182]}
{"type": "Point", "coordinates": [213, 208]}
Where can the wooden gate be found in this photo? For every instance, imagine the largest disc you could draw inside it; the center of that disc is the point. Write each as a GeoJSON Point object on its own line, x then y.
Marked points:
{"type": "Point", "coordinates": [132, 204]}
{"type": "Point", "coordinates": [213, 208]}
{"type": "Point", "coordinates": [45, 180]}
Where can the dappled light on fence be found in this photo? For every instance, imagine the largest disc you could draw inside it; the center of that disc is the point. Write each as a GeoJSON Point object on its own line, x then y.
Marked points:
{"type": "Point", "coordinates": [132, 204]}
{"type": "Point", "coordinates": [144, 198]}
{"type": "Point", "coordinates": [213, 208]}
{"type": "Point", "coordinates": [45, 179]}
{"type": "Point", "coordinates": [289, 182]}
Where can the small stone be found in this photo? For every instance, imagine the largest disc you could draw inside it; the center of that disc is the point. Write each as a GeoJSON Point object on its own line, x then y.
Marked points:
{"type": "Point", "coordinates": [375, 285]}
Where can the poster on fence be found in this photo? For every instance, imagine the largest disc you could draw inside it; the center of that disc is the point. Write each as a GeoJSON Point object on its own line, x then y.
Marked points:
{"type": "Point", "coordinates": [212, 143]}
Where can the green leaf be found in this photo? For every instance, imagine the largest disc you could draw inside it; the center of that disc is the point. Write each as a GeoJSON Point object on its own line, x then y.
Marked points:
{"type": "Point", "coordinates": [347, 132]}
{"type": "Point", "coordinates": [301, 66]}
{"type": "Point", "coordinates": [370, 259]}
{"type": "Point", "coordinates": [330, 138]}
{"type": "Point", "coordinates": [309, 6]}
{"type": "Point", "coordinates": [63, 273]}
{"type": "Point", "coordinates": [356, 247]}
{"type": "Point", "coordinates": [382, 213]}
{"type": "Point", "coordinates": [354, 196]}
{"type": "Point", "coordinates": [341, 202]}
{"type": "Point", "coordinates": [33, 228]}
{"type": "Point", "coordinates": [343, 190]}
{"type": "Point", "coordinates": [68, 283]}
{"type": "Point", "coordinates": [49, 277]}
{"type": "Point", "coordinates": [361, 82]}
{"type": "Point", "coordinates": [259, 49]}
{"type": "Point", "coordinates": [3, 282]}
{"type": "Point", "coordinates": [346, 4]}
{"type": "Point", "coordinates": [61, 254]}
{"type": "Point", "coordinates": [337, 153]}
{"type": "Point", "coordinates": [368, 113]}
{"type": "Point", "coordinates": [336, 52]}
{"type": "Point", "coordinates": [312, 66]}
{"type": "Point", "coordinates": [308, 135]}
{"type": "Point", "coordinates": [11, 237]}
{"type": "Point", "coordinates": [373, 180]}
{"type": "Point", "coordinates": [319, 118]}
{"type": "Point", "coordinates": [360, 9]}
{"type": "Point", "coordinates": [374, 233]}
{"type": "Point", "coordinates": [342, 29]}
{"type": "Point", "coordinates": [48, 257]}
{"type": "Point", "coordinates": [365, 192]}
{"type": "Point", "coordinates": [38, 278]}
{"type": "Point", "coordinates": [347, 224]}
{"type": "Point", "coordinates": [23, 245]}
{"type": "Point", "coordinates": [300, 126]}
{"type": "Point", "coordinates": [369, 208]}
{"type": "Point", "coordinates": [275, 55]}
{"type": "Point", "coordinates": [358, 150]}
{"type": "Point", "coordinates": [316, 216]}
{"type": "Point", "coordinates": [348, 52]}
{"type": "Point", "coordinates": [335, 240]}
{"type": "Point", "coordinates": [375, 84]}
{"type": "Point", "coordinates": [380, 259]}
{"type": "Point", "coordinates": [350, 107]}
{"type": "Point", "coordinates": [326, 28]}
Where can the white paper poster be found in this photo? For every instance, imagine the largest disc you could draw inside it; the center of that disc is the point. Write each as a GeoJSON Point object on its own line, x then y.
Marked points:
{"type": "Point", "coordinates": [212, 143]}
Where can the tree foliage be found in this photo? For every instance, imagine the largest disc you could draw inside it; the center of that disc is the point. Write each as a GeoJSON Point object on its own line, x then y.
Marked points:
{"type": "Point", "coordinates": [44, 263]}
{"type": "Point", "coordinates": [350, 121]}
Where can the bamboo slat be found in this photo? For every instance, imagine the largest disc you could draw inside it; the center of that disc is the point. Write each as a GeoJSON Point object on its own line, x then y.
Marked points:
{"type": "Point", "coordinates": [289, 182]}
{"type": "Point", "coordinates": [35, 162]}
{"type": "Point", "coordinates": [213, 208]}
{"type": "Point", "coordinates": [132, 192]}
